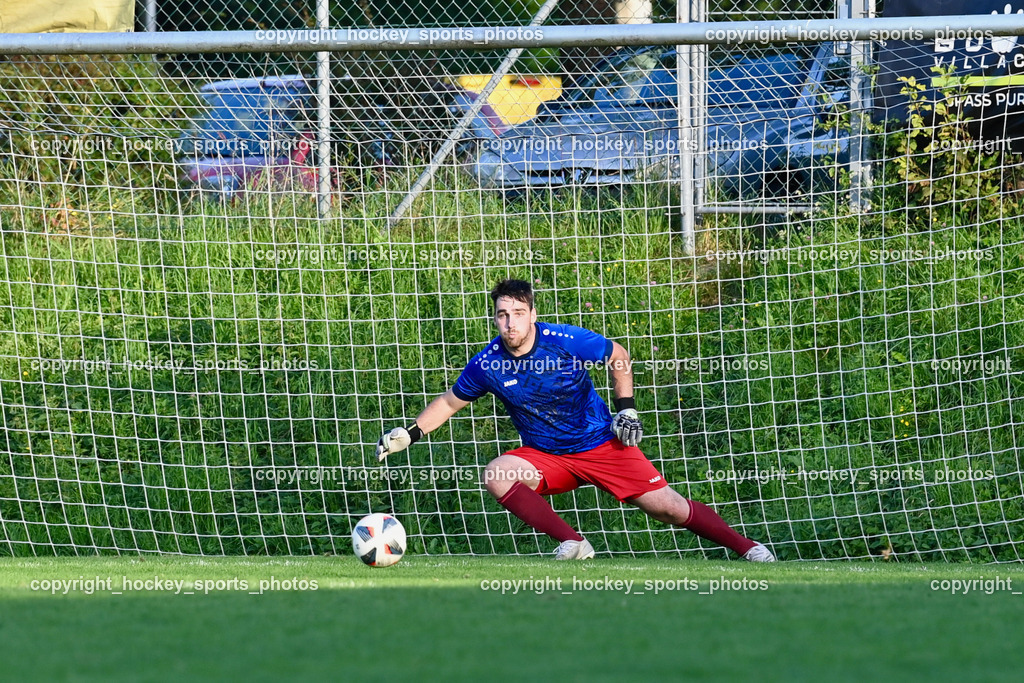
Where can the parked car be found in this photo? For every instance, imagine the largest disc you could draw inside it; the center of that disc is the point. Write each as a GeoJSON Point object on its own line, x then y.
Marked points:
{"type": "Point", "coordinates": [253, 131]}
{"type": "Point", "coordinates": [259, 132]}
{"type": "Point", "coordinates": [765, 117]}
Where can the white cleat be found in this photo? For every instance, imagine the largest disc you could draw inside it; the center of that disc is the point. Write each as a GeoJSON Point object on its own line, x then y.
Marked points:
{"type": "Point", "coordinates": [575, 550]}
{"type": "Point", "coordinates": [759, 554]}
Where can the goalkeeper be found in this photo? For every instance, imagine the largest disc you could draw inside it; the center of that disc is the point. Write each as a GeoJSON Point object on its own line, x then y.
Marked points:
{"type": "Point", "coordinates": [539, 372]}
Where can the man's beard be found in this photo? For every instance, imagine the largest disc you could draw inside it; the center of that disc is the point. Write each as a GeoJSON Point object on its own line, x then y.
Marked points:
{"type": "Point", "coordinates": [515, 345]}
{"type": "Point", "coordinates": [518, 344]}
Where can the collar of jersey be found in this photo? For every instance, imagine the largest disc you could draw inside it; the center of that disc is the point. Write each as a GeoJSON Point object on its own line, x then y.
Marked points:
{"type": "Point", "coordinates": [536, 342]}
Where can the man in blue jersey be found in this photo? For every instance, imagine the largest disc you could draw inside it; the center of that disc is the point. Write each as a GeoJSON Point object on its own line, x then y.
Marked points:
{"type": "Point", "coordinates": [539, 372]}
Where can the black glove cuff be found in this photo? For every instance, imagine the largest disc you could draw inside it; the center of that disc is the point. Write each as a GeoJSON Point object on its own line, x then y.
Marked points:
{"type": "Point", "coordinates": [415, 433]}
{"type": "Point", "coordinates": [624, 403]}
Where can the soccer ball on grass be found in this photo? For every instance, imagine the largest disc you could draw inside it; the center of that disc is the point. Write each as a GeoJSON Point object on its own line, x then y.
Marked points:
{"type": "Point", "coordinates": [379, 540]}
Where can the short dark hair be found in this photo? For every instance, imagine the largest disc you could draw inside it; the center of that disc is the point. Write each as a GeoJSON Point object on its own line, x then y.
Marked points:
{"type": "Point", "coordinates": [520, 290]}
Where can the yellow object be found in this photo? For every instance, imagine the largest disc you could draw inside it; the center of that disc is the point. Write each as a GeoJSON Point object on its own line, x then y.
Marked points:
{"type": "Point", "coordinates": [517, 97]}
{"type": "Point", "coordinates": [62, 16]}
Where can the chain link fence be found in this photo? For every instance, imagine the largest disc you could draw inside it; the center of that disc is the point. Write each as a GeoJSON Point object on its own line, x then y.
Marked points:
{"type": "Point", "coordinates": [226, 15]}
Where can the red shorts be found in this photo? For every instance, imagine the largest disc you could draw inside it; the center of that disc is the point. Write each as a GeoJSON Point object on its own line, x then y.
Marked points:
{"type": "Point", "coordinates": [623, 471]}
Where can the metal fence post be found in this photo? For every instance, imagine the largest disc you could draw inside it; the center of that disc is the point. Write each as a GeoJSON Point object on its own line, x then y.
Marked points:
{"type": "Point", "coordinates": [323, 115]}
{"type": "Point", "coordinates": [148, 20]}
{"type": "Point", "coordinates": [684, 94]}
{"type": "Point", "coordinates": [860, 103]}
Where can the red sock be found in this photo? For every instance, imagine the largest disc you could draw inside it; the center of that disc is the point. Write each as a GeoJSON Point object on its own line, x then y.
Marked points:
{"type": "Point", "coordinates": [706, 523]}
{"type": "Point", "coordinates": [529, 506]}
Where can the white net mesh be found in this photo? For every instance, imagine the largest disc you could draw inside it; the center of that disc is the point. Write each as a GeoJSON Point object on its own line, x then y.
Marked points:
{"type": "Point", "coordinates": [192, 361]}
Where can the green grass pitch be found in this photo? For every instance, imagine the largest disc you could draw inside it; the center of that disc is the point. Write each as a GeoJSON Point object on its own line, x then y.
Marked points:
{"type": "Point", "coordinates": [429, 618]}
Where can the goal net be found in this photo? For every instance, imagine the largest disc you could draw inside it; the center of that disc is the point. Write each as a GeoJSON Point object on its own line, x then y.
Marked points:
{"type": "Point", "coordinates": [207, 319]}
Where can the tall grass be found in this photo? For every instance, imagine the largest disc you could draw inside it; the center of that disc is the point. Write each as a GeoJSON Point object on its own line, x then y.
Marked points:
{"type": "Point", "coordinates": [834, 360]}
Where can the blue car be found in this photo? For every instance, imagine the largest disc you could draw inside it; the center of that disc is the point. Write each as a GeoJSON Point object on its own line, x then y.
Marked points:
{"type": "Point", "coordinates": [252, 132]}
{"type": "Point", "coordinates": [766, 117]}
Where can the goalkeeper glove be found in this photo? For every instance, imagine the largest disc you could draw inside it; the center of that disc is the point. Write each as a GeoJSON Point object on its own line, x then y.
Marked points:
{"type": "Point", "coordinates": [397, 440]}
{"type": "Point", "coordinates": [626, 424]}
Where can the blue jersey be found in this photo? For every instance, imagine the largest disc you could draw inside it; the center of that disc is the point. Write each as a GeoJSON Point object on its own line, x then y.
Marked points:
{"type": "Point", "coordinates": [547, 391]}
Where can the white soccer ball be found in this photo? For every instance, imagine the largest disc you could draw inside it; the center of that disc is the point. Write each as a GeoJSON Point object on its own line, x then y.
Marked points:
{"type": "Point", "coordinates": [379, 540]}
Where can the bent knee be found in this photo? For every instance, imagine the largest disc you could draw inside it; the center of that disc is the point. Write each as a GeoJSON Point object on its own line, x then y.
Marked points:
{"type": "Point", "coordinates": [670, 509]}
{"type": "Point", "coordinates": [667, 515]}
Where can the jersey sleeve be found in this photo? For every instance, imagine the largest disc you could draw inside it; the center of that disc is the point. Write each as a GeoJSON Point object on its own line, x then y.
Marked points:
{"type": "Point", "coordinates": [587, 345]}
{"type": "Point", "coordinates": [470, 384]}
